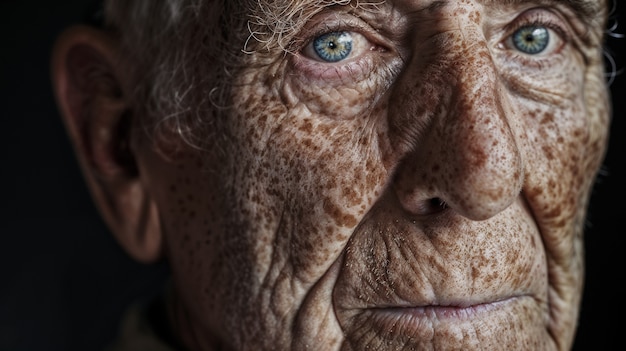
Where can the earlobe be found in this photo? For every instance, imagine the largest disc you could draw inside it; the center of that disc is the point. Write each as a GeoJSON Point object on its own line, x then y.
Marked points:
{"type": "Point", "coordinates": [89, 90]}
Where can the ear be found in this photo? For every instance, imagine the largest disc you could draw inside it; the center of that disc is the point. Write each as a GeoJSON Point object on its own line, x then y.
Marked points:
{"type": "Point", "coordinates": [94, 104]}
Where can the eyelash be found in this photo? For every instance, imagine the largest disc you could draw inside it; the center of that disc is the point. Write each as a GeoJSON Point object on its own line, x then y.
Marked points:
{"type": "Point", "coordinates": [536, 17]}
{"type": "Point", "coordinates": [344, 26]}
{"type": "Point", "coordinates": [362, 64]}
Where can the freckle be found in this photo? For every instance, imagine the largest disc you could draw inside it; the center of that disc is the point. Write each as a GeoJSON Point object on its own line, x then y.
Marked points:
{"type": "Point", "coordinates": [349, 221]}
{"type": "Point", "coordinates": [306, 127]}
{"type": "Point", "coordinates": [277, 111]}
{"type": "Point", "coordinates": [475, 273]}
{"type": "Point", "coordinates": [548, 152]}
{"type": "Point", "coordinates": [547, 118]}
{"type": "Point", "coordinates": [475, 16]}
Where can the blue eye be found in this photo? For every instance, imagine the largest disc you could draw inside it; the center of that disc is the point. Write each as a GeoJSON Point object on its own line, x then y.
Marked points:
{"type": "Point", "coordinates": [531, 40]}
{"type": "Point", "coordinates": [333, 46]}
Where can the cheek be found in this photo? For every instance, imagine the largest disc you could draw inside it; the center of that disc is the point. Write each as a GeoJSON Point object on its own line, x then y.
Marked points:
{"type": "Point", "coordinates": [251, 234]}
{"type": "Point", "coordinates": [304, 178]}
{"type": "Point", "coordinates": [189, 213]}
{"type": "Point", "coordinates": [558, 152]}
{"type": "Point", "coordinates": [560, 148]}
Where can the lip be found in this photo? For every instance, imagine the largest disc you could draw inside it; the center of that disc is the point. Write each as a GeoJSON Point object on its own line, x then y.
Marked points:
{"type": "Point", "coordinates": [422, 322]}
{"type": "Point", "coordinates": [460, 311]}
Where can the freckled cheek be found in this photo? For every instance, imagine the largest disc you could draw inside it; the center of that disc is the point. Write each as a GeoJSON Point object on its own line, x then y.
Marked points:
{"type": "Point", "coordinates": [303, 179]}
{"type": "Point", "coordinates": [316, 158]}
{"type": "Point", "coordinates": [551, 115]}
{"type": "Point", "coordinates": [558, 146]}
{"type": "Point", "coordinates": [556, 141]}
{"type": "Point", "coordinates": [323, 162]}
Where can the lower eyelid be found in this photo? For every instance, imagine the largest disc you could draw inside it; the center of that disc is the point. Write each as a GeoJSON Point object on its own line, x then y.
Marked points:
{"type": "Point", "coordinates": [351, 69]}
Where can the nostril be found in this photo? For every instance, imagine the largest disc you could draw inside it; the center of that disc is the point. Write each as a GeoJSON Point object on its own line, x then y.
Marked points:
{"type": "Point", "coordinates": [418, 203]}
{"type": "Point", "coordinates": [429, 207]}
{"type": "Point", "coordinates": [436, 202]}
{"type": "Point", "coordinates": [436, 205]}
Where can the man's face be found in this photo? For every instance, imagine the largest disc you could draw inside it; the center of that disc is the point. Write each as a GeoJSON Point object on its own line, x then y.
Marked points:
{"type": "Point", "coordinates": [412, 174]}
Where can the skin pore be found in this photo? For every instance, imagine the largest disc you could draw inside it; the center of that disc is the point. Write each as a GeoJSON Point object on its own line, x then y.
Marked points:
{"type": "Point", "coordinates": [424, 189]}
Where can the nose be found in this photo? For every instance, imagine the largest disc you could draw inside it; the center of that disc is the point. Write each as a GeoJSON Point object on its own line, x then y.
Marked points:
{"type": "Point", "coordinates": [455, 130]}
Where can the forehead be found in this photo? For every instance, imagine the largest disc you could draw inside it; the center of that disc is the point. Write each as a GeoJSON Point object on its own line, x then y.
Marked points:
{"type": "Point", "coordinates": [289, 13]}
{"type": "Point", "coordinates": [584, 8]}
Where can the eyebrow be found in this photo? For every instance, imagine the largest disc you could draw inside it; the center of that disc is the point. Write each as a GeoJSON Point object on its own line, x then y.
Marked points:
{"type": "Point", "coordinates": [588, 10]}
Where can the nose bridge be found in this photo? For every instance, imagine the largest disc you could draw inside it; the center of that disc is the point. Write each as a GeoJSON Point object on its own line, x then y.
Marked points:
{"type": "Point", "coordinates": [441, 70]}
{"type": "Point", "coordinates": [466, 154]}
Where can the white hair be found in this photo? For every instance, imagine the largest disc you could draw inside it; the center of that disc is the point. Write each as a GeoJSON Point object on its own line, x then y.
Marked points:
{"type": "Point", "coordinates": [180, 54]}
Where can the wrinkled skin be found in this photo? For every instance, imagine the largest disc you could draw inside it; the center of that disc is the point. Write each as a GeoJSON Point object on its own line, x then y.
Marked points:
{"type": "Point", "coordinates": [426, 193]}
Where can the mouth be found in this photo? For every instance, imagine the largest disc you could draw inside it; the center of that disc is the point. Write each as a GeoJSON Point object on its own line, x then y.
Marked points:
{"type": "Point", "coordinates": [440, 312]}
{"type": "Point", "coordinates": [424, 322]}
{"type": "Point", "coordinates": [450, 284]}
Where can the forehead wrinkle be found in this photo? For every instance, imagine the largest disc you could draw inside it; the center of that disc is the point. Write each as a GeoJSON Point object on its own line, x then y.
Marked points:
{"type": "Point", "coordinates": [588, 10]}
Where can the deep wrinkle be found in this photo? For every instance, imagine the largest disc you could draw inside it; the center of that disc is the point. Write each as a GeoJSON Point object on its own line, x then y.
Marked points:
{"type": "Point", "coordinates": [588, 10]}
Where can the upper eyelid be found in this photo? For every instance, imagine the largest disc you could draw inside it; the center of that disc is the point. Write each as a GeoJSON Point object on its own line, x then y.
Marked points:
{"type": "Point", "coordinates": [539, 16]}
{"type": "Point", "coordinates": [343, 23]}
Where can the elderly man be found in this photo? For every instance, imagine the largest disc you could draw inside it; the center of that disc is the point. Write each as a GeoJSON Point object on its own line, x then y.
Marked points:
{"type": "Point", "coordinates": [344, 175]}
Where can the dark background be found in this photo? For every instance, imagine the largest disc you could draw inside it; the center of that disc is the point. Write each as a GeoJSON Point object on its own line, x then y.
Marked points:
{"type": "Point", "coordinates": [64, 282]}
